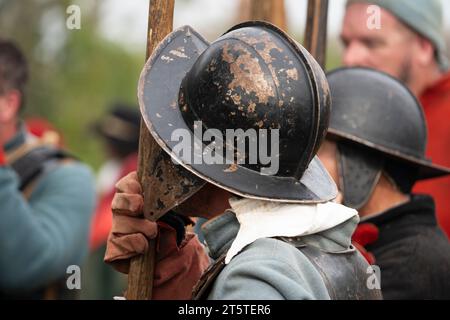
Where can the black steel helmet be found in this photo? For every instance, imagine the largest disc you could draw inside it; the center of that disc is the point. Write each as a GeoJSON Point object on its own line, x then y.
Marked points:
{"type": "Point", "coordinates": [119, 127]}
{"type": "Point", "coordinates": [254, 81]}
{"type": "Point", "coordinates": [378, 121]}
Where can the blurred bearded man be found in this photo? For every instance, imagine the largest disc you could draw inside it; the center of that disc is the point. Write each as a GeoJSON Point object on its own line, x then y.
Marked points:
{"type": "Point", "coordinates": [408, 43]}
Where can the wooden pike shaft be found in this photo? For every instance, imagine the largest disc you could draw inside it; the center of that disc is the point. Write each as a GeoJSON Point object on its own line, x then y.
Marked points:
{"type": "Point", "coordinates": [316, 30]}
{"type": "Point", "coordinates": [140, 277]}
{"type": "Point", "coordinates": [272, 11]}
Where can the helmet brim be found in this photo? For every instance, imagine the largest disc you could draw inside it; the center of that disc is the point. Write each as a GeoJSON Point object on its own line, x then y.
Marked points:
{"type": "Point", "coordinates": [158, 93]}
{"type": "Point", "coordinates": [427, 170]}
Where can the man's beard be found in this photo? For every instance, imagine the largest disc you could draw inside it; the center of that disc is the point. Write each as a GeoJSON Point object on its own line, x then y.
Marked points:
{"type": "Point", "coordinates": [405, 72]}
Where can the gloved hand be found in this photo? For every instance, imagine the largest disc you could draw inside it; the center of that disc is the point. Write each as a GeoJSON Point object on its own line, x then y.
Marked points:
{"type": "Point", "coordinates": [365, 234]}
{"type": "Point", "coordinates": [178, 267]}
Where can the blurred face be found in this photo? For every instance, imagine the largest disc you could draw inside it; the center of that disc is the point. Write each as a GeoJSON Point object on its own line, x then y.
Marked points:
{"type": "Point", "coordinates": [207, 203]}
{"type": "Point", "coordinates": [328, 155]}
{"type": "Point", "coordinates": [393, 48]}
{"type": "Point", "coordinates": [9, 109]}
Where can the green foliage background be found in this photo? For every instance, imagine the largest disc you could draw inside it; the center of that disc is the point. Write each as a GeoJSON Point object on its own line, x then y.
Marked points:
{"type": "Point", "coordinates": [74, 88]}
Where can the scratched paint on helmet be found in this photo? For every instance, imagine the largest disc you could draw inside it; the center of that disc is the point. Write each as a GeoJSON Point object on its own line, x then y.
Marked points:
{"type": "Point", "coordinates": [247, 72]}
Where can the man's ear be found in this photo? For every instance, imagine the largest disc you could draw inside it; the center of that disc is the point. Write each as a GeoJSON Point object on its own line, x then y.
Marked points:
{"type": "Point", "coordinates": [10, 105]}
{"type": "Point", "coordinates": [426, 55]}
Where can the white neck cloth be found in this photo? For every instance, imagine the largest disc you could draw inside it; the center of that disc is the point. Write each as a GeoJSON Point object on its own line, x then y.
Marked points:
{"type": "Point", "coordinates": [265, 219]}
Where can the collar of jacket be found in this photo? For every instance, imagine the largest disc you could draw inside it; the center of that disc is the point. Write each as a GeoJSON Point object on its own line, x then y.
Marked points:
{"type": "Point", "coordinates": [401, 221]}
{"type": "Point", "coordinates": [221, 231]}
{"type": "Point", "coordinates": [18, 140]}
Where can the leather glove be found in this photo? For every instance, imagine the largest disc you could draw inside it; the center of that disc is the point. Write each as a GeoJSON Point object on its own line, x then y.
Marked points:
{"type": "Point", "coordinates": [130, 231]}
{"type": "Point", "coordinates": [178, 265]}
{"type": "Point", "coordinates": [178, 268]}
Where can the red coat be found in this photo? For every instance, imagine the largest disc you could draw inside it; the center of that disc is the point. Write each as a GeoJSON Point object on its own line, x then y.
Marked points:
{"type": "Point", "coordinates": [102, 220]}
{"type": "Point", "coordinates": [436, 102]}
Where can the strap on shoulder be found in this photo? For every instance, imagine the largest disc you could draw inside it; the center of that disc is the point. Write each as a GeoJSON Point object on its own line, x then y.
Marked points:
{"type": "Point", "coordinates": [204, 285]}
{"type": "Point", "coordinates": [30, 162]}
